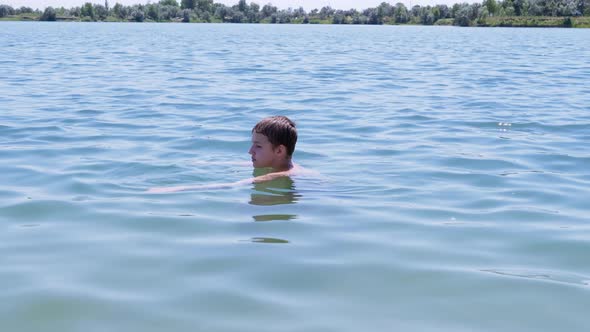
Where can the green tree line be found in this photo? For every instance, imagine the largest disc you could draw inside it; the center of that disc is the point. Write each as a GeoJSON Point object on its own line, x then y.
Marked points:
{"type": "Point", "coordinates": [462, 14]}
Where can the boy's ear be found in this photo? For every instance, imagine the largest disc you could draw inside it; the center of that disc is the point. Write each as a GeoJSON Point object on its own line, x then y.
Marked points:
{"type": "Point", "coordinates": [280, 149]}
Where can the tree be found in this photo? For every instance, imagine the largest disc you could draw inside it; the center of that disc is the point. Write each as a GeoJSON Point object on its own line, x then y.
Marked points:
{"type": "Point", "coordinates": [186, 15]}
{"type": "Point", "coordinates": [101, 12]}
{"type": "Point", "coordinates": [118, 11]}
{"type": "Point", "coordinates": [24, 10]}
{"type": "Point", "coordinates": [220, 12]}
{"type": "Point", "coordinates": [428, 18]}
{"type": "Point", "coordinates": [87, 10]}
{"type": "Point", "coordinates": [338, 18]}
{"type": "Point", "coordinates": [492, 6]}
{"type": "Point", "coordinates": [326, 12]}
{"type": "Point", "coordinates": [253, 14]}
{"type": "Point", "coordinates": [75, 12]}
{"type": "Point", "coordinates": [205, 16]}
{"type": "Point", "coordinates": [6, 10]}
{"type": "Point", "coordinates": [373, 16]}
{"type": "Point", "coordinates": [299, 12]}
{"type": "Point", "coordinates": [533, 8]}
{"type": "Point", "coordinates": [268, 10]}
{"type": "Point", "coordinates": [284, 16]}
{"type": "Point", "coordinates": [48, 15]}
{"type": "Point", "coordinates": [138, 15]}
{"type": "Point", "coordinates": [384, 10]}
{"type": "Point", "coordinates": [205, 5]}
{"type": "Point", "coordinates": [254, 7]}
{"type": "Point", "coordinates": [400, 13]}
{"type": "Point", "coordinates": [237, 17]}
{"type": "Point", "coordinates": [243, 6]}
{"type": "Point", "coordinates": [187, 4]}
{"type": "Point", "coordinates": [483, 15]}
{"type": "Point", "coordinates": [172, 3]}
{"type": "Point", "coordinates": [518, 5]}
{"type": "Point", "coordinates": [443, 11]}
{"type": "Point", "coordinates": [153, 12]}
{"type": "Point", "coordinates": [463, 15]}
{"type": "Point", "coordinates": [570, 8]}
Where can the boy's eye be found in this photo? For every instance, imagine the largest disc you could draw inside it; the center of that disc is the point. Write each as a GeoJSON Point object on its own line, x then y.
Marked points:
{"type": "Point", "coordinates": [258, 146]}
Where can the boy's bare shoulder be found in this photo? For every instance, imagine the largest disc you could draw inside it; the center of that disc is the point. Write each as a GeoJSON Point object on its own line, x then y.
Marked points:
{"type": "Point", "coordinates": [298, 170]}
{"type": "Point", "coordinates": [295, 171]}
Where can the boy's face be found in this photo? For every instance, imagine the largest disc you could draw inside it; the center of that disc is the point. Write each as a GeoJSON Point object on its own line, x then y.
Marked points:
{"type": "Point", "coordinates": [262, 152]}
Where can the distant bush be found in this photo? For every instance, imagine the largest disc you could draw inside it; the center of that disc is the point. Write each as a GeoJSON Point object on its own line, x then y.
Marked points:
{"type": "Point", "coordinates": [444, 21]}
{"type": "Point", "coordinates": [48, 15]}
{"type": "Point", "coordinates": [582, 22]}
{"type": "Point", "coordinates": [530, 21]}
{"type": "Point", "coordinates": [138, 16]}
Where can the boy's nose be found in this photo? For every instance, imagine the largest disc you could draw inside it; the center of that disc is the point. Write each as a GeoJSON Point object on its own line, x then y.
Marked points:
{"type": "Point", "coordinates": [250, 151]}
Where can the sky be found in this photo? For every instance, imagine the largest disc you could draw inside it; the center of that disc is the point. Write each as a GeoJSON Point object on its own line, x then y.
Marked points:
{"type": "Point", "coordinates": [281, 4]}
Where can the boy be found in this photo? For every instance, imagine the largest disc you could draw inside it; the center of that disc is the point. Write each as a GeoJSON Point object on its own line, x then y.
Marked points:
{"type": "Point", "coordinates": [273, 143]}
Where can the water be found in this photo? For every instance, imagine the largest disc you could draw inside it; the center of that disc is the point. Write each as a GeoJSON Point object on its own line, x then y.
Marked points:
{"type": "Point", "coordinates": [452, 196]}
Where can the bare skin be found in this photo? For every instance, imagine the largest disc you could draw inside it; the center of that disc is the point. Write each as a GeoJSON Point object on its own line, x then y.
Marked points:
{"type": "Point", "coordinates": [257, 179]}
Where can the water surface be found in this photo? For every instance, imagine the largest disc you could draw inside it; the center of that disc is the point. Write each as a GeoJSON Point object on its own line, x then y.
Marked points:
{"type": "Point", "coordinates": [453, 193]}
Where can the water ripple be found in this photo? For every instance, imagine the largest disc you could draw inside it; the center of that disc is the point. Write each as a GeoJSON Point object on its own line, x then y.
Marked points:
{"type": "Point", "coordinates": [450, 167]}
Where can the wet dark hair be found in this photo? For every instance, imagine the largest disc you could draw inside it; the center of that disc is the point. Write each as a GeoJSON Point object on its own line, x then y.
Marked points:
{"type": "Point", "coordinates": [279, 130]}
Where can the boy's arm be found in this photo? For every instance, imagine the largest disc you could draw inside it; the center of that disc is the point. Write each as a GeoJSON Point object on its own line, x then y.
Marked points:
{"type": "Point", "coordinates": [258, 179]}
{"type": "Point", "coordinates": [162, 190]}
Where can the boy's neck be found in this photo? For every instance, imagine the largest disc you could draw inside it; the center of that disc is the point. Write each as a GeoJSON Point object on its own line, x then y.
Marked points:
{"type": "Point", "coordinates": [283, 166]}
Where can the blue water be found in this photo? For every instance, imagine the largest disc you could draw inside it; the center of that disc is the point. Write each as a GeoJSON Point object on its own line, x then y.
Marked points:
{"type": "Point", "coordinates": [453, 191]}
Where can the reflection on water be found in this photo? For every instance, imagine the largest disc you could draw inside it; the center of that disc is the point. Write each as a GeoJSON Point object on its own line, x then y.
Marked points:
{"type": "Point", "coordinates": [274, 192]}
{"type": "Point", "coordinates": [268, 240]}
{"type": "Point", "coordinates": [279, 191]}
{"type": "Point", "coordinates": [271, 217]}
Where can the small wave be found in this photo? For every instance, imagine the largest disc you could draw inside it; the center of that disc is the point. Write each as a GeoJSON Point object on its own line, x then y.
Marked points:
{"type": "Point", "coordinates": [549, 276]}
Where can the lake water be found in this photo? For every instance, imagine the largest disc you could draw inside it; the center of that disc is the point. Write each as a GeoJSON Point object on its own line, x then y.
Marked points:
{"type": "Point", "coordinates": [453, 194]}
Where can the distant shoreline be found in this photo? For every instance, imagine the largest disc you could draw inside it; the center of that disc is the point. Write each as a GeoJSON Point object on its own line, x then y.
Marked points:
{"type": "Point", "coordinates": [489, 13]}
{"type": "Point", "coordinates": [502, 22]}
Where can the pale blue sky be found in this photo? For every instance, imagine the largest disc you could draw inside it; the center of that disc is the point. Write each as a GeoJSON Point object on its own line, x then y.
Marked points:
{"type": "Point", "coordinates": [281, 4]}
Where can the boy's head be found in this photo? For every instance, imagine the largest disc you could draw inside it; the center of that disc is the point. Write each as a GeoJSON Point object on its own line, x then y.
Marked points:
{"type": "Point", "coordinates": [273, 141]}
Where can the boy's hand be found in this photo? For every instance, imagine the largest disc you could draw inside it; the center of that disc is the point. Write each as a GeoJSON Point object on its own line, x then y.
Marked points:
{"type": "Point", "coordinates": [161, 190]}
